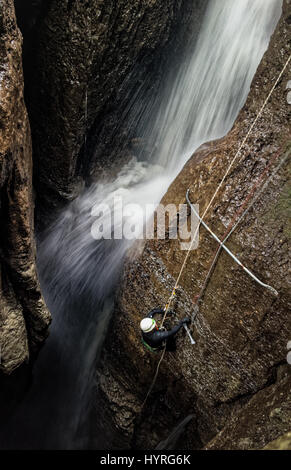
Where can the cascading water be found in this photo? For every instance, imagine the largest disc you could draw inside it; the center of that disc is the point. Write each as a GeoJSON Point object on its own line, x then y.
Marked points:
{"type": "Point", "coordinates": [212, 87]}
{"type": "Point", "coordinates": [78, 273]}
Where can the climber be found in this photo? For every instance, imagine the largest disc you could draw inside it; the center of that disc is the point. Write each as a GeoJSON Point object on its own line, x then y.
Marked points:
{"type": "Point", "coordinates": [155, 338]}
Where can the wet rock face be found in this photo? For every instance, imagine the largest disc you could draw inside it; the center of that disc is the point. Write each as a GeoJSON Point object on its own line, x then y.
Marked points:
{"type": "Point", "coordinates": [231, 381]}
{"type": "Point", "coordinates": [85, 62]}
{"type": "Point", "coordinates": [23, 316]}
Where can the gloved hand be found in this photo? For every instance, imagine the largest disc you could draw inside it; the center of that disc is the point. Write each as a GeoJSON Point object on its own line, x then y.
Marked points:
{"type": "Point", "coordinates": [171, 312]}
{"type": "Point", "coordinates": [186, 321]}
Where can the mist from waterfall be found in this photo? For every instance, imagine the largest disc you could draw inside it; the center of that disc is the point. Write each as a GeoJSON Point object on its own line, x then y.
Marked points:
{"type": "Point", "coordinates": [78, 273]}
{"type": "Point", "coordinates": [212, 87]}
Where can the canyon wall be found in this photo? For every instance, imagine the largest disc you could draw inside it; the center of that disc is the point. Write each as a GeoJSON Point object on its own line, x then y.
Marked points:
{"type": "Point", "coordinates": [235, 382]}
{"type": "Point", "coordinates": [24, 318]}
{"type": "Point", "coordinates": [85, 63]}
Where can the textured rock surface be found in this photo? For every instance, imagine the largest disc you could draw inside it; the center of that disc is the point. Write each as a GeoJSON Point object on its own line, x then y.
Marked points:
{"type": "Point", "coordinates": [266, 416]}
{"type": "Point", "coordinates": [23, 316]}
{"type": "Point", "coordinates": [230, 380]}
{"type": "Point", "coordinates": [283, 443]}
{"type": "Point", "coordinates": [85, 64]}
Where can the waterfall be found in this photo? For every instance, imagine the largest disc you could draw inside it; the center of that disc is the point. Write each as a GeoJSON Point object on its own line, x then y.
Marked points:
{"type": "Point", "coordinates": [212, 87]}
{"type": "Point", "coordinates": [79, 273]}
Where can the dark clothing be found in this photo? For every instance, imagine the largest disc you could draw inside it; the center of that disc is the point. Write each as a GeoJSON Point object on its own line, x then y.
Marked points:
{"type": "Point", "coordinates": [156, 338]}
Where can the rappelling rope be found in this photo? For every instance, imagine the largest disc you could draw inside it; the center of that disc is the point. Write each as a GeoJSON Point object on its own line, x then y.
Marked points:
{"type": "Point", "coordinates": [155, 378]}
{"type": "Point", "coordinates": [219, 187]}
{"type": "Point", "coordinates": [222, 245]}
{"type": "Point", "coordinates": [238, 217]}
{"type": "Point", "coordinates": [230, 229]}
{"type": "Point", "coordinates": [173, 294]}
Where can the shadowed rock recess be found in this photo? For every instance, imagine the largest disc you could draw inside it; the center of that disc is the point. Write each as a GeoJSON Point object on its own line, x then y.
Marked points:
{"type": "Point", "coordinates": [24, 318]}
{"type": "Point", "coordinates": [235, 381]}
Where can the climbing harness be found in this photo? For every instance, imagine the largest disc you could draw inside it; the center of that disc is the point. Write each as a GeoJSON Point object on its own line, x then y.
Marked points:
{"type": "Point", "coordinates": [222, 244]}
{"type": "Point", "coordinates": [201, 221]}
{"type": "Point", "coordinates": [147, 346]}
{"type": "Point", "coordinates": [150, 348]}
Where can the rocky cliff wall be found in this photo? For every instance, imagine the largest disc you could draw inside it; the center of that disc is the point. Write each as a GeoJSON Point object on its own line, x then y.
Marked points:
{"type": "Point", "coordinates": [85, 63]}
{"type": "Point", "coordinates": [235, 381]}
{"type": "Point", "coordinates": [82, 61]}
{"type": "Point", "coordinates": [24, 318]}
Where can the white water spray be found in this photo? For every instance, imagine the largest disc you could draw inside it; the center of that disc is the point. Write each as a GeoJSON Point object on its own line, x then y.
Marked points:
{"type": "Point", "coordinates": [203, 103]}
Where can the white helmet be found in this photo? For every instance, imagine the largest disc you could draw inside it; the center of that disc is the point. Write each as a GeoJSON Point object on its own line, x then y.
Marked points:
{"type": "Point", "coordinates": [147, 325]}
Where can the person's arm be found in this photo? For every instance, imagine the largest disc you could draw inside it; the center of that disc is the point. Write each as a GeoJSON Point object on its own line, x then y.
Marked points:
{"type": "Point", "coordinates": [164, 335]}
{"type": "Point", "coordinates": [155, 311]}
